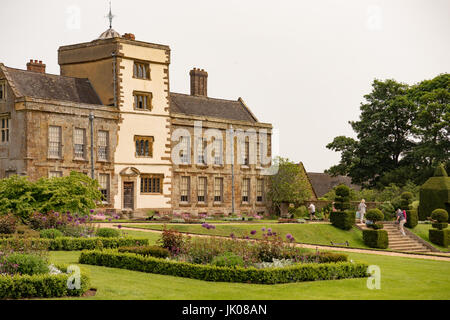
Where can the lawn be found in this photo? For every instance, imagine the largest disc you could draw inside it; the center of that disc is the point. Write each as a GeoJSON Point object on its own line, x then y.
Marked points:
{"type": "Point", "coordinates": [422, 231]}
{"type": "Point", "coordinates": [401, 278]}
{"type": "Point", "coordinates": [303, 233]}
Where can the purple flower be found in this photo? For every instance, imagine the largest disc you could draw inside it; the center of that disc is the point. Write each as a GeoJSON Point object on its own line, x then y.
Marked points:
{"type": "Point", "coordinates": [263, 229]}
{"type": "Point", "coordinates": [232, 235]}
{"type": "Point", "coordinates": [253, 232]}
{"type": "Point", "coordinates": [92, 210]}
{"type": "Point", "coordinates": [119, 226]}
{"type": "Point", "coordinates": [269, 230]}
{"type": "Point", "coordinates": [289, 236]}
{"type": "Point", "coordinates": [247, 237]}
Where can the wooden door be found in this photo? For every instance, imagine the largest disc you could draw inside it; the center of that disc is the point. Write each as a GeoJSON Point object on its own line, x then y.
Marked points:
{"type": "Point", "coordinates": [128, 195]}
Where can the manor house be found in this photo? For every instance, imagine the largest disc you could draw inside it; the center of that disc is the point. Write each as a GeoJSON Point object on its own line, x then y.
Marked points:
{"type": "Point", "coordinates": [110, 114]}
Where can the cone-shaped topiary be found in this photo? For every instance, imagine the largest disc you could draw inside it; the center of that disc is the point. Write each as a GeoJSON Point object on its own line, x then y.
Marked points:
{"type": "Point", "coordinates": [435, 193]}
{"type": "Point", "coordinates": [342, 200]}
{"type": "Point", "coordinates": [342, 218]}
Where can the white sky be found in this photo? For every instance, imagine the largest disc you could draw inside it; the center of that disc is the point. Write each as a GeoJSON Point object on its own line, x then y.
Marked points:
{"type": "Point", "coordinates": [303, 66]}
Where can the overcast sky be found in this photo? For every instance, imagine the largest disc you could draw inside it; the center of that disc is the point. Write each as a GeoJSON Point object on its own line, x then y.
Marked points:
{"type": "Point", "coordinates": [303, 66]}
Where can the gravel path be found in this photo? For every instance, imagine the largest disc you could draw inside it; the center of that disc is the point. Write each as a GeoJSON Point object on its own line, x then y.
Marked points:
{"type": "Point", "coordinates": [302, 245]}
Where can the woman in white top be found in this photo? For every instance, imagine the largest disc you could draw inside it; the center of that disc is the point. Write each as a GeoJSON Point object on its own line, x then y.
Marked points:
{"type": "Point", "coordinates": [362, 210]}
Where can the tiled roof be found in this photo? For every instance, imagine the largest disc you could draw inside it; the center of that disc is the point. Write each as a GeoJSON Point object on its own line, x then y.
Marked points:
{"type": "Point", "coordinates": [322, 182]}
{"type": "Point", "coordinates": [210, 107]}
{"type": "Point", "coordinates": [54, 87]}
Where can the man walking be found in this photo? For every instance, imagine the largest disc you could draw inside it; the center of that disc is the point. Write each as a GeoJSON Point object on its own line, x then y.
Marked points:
{"type": "Point", "coordinates": [312, 211]}
{"type": "Point", "coordinates": [401, 221]}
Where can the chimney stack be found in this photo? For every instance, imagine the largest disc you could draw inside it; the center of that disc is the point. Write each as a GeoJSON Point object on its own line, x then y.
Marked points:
{"type": "Point", "coordinates": [36, 66]}
{"type": "Point", "coordinates": [199, 82]}
{"type": "Point", "coordinates": [129, 36]}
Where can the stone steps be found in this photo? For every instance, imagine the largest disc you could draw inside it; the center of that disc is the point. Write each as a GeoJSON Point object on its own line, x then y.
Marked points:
{"type": "Point", "coordinates": [399, 242]}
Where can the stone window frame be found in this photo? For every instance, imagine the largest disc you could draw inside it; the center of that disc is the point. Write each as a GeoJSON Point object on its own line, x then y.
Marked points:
{"type": "Point", "coordinates": [146, 181]}
{"type": "Point", "coordinates": [5, 129]}
{"type": "Point", "coordinates": [146, 69]}
{"type": "Point", "coordinates": [204, 192]}
{"type": "Point", "coordinates": [202, 147]}
{"type": "Point", "coordinates": [55, 174]}
{"type": "Point", "coordinates": [185, 159]}
{"type": "Point", "coordinates": [245, 190]}
{"type": "Point", "coordinates": [79, 133]}
{"type": "Point", "coordinates": [145, 145]}
{"type": "Point", "coordinates": [105, 189]}
{"type": "Point", "coordinates": [103, 149]}
{"type": "Point", "coordinates": [218, 189]}
{"type": "Point", "coordinates": [218, 158]}
{"type": "Point", "coordinates": [3, 90]}
{"type": "Point", "coordinates": [52, 156]}
{"type": "Point", "coordinates": [185, 189]}
{"type": "Point", "coordinates": [260, 190]}
{"type": "Point", "coordinates": [148, 100]}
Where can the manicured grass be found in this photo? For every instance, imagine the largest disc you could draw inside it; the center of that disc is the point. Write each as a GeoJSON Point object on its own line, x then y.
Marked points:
{"type": "Point", "coordinates": [422, 231]}
{"type": "Point", "coordinates": [401, 278]}
{"type": "Point", "coordinates": [303, 233]}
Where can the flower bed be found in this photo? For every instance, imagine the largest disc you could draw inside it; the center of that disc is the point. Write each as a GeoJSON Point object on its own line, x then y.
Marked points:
{"type": "Point", "coordinates": [41, 285]}
{"type": "Point", "coordinates": [72, 244]}
{"type": "Point", "coordinates": [296, 273]}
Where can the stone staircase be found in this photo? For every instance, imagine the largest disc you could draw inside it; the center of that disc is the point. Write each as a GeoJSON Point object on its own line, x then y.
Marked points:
{"type": "Point", "coordinates": [399, 242]}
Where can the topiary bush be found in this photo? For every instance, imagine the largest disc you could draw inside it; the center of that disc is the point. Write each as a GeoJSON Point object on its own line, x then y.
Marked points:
{"type": "Point", "coordinates": [376, 238]}
{"type": "Point", "coordinates": [440, 225]}
{"type": "Point", "coordinates": [50, 233]}
{"type": "Point", "coordinates": [342, 199]}
{"type": "Point", "coordinates": [412, 218]}
{"type": "Point", "coordinates": [434, 193]}
{"type": "Point", "coordinates": [228, 259]}
{"type": "Point", "coordinates": [374, 215]}
{"type": "Point", "coordinates": [439, 237]}
{"type": "Point", "coordinates": [343, 219]}
{"type": "Point", "coordinates": [440, 215]}
{"type": "Point", "coordinates": [108, 233]}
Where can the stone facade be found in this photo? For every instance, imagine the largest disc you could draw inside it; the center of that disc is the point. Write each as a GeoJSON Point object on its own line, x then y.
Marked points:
{"type": "Point", "coordinates": [125, 84]}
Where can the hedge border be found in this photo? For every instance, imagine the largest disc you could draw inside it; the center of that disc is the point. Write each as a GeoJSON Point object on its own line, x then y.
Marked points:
{"type": "Point", "coordinates": [376, 238]}
{"type": "Point", "coordinates": [75, 244]}
{"type": "Point", "coordinates": [306, 272]}
{"type": "Point", "coordinates": [42, 285]}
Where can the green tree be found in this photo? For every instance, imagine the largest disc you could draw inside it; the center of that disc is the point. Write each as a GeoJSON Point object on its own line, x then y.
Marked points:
{"type": "Point", "coordinates": [288, 185]}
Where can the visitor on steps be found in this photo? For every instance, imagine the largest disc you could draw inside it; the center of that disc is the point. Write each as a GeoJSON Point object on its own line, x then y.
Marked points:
{"type": "Point", "coordinates": [312, 211]}
{"type": "Point", "coordinates": [401, 221]}
{"type": "Point", "coordinates": [362, 210]}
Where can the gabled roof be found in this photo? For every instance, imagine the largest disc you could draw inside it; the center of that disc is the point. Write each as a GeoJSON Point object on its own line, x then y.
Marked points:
{"type": "Point", "coordinates": [52, 87]}
{"type": "Point", "coordinates": [210, 107]}
{"type": "Point", "coordinates": [322, 182]}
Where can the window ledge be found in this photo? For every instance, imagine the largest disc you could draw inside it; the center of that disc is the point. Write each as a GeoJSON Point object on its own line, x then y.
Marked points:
{"type": "Point", "coordinates": [245, 167]}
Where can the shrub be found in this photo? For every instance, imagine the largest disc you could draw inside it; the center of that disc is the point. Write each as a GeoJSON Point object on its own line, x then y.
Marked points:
{"type": "Point", "coordinates": [154, 251]}
{"type": "Point", "coordinates": [228, 259]}
{"type": "Point", "coordinates": [440, 237]}
{"type": "Point", "coordinates": [434, 193]}
{"type": "Point", "coordinates": [171, 240]}
{"type": "Point", "coordinates": [440, 215]}
{"type": "Point", "coordinates": [374, 215]}
{"type": "Point", "coordinates": [412, 218]}
{"type": "Point", "coordinates": [42, 285]}
{"type": "Point", "coordinates": [376, 226]}
{"type": "Point", "coordinates": [297, 273]}
{"type": "Point", "coordinates": [342, 199]}
{"type": "Point", "coordinates": [440, 225]}
{"type": "Point", "coordinates": [72, 244]}
{"type": "Point", "coordinates": [108, 233]}
{"type": "Point", "coordinates": [28, 263]}
{"type": "Point", "coordinates": [388, 210]}
{"type": "Point", "coordinates": [343, 219]}
{"type": "Point", "coordinates": [8, 224]}
{"type": "Point", "coordinates": [376, 238]}
{"type": "Point", "coordinates": [50, 233]}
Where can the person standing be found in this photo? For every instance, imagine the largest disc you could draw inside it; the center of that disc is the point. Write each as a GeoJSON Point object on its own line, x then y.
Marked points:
{"type": "Point", "coordinates": [312, 211]}
{"type": "Point", "coordinates": [362, 210]}
{"type": "Point", "coordinates": [401, 221]}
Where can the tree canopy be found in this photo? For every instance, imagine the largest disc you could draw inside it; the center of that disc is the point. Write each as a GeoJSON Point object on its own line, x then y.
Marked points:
{"type": "Point", "coordinates": [403, 133]}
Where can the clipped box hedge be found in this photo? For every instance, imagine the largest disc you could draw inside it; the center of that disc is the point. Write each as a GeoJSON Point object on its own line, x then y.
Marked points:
{"type": "Point", "coordinates": [73, 244]}
{"type": "Point", "coordinates": [41, 285]}
{"type": "Point", "coordinates": [343, 219]}
{"type": "Point", "coordinates": [305, 272]}
{"type": "Point", "coordinates": [376, 238]}
{"type": "Point", "coordinates": [440, 237]}
{"type": "Point", "coordinates": [412, 218]}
